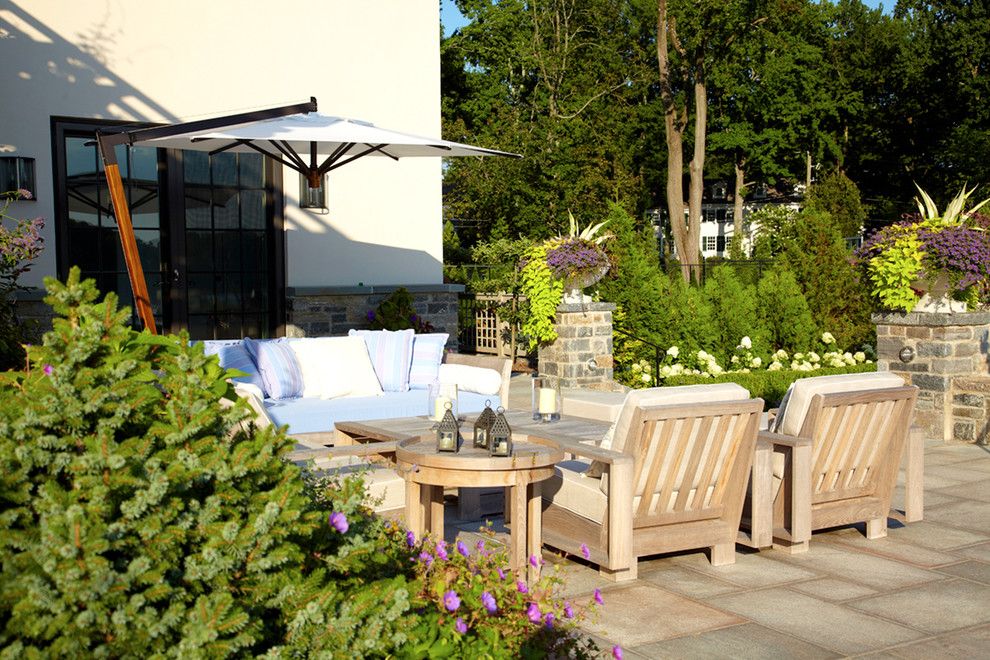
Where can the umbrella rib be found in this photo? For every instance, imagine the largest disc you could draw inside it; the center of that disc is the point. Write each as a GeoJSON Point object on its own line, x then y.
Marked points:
{"type": "Point", "coordinates": [366, 152]}
{"type": "Point", "coordinates": [290, 153]}
{"type": "Point", "coordinates": [274, 157]}
{"type": "Point", "coordinates": [224, 148]}
{"type": "Point", "coordinates": [334, 157]}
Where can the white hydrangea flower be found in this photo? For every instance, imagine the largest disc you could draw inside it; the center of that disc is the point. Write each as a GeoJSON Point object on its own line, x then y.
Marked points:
{"type": "Point", "coordinates": [780, 355]}
{"type": "Point", "coordinates": [859, 356]}
{"type": "Point", "coordinates": [746, 343]}
{"type": "Point", "coordinates": [814, 357]}
{"type": "Point", "coordinates": [848, 358]}
{"type": "Point", "coordinates": [673, 351]}
{"type": "Point", "coordinates": [636, 368]}
{"type": "Point", "coordinates": [798, 357]}
{"type": "Point", "coordinates": [647, 367]}
{"type": "Point", "coordinates": [827, 338]}
{"type": "Point", "coordinates": [735, 359]}
{"type": "Point", "coordinates": [755, 362]}
{"type": "Point", "coordinates": [645, 378]}
{"type": "Point", "coordinates": [702, 355]}
{"type": "Point", "coordinates": [775, 366]}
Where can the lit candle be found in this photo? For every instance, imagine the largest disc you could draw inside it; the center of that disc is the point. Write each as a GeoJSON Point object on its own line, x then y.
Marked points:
{"type": "Point", "coordinates": [440, 407]}
{"type": "Point", "coordinates": [548, 401]}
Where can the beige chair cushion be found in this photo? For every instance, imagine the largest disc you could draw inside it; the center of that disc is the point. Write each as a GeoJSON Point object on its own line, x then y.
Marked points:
{"type": "Point", "coordinates": [385, 490]}
{"type": "Point", "coordinates": [794, 406]}
{"type": "Point", "coordinates": [570, 488]}
{"type": "Point", "coordinates": [661, 396]}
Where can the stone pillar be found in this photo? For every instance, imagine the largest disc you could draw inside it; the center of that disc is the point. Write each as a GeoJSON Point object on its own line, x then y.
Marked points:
{"type": "Point", "coordinates": [582, 354]}
{"type": "Point", "coordinates": [951, 367]}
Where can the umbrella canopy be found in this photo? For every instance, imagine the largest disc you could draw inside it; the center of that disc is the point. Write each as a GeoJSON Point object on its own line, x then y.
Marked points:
{"type": "Point", "coordinates": [297, 136]}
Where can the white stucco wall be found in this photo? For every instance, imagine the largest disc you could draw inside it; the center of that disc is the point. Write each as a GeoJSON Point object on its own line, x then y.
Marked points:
{"type": "Point", "coordinates": [179, 60]}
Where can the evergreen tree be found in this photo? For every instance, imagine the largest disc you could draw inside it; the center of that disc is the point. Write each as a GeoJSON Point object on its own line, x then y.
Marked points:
{"type": "Point", "coordinates": [838, 196]}
{"type": "Point", "coordinates": [733, 309]}
{"type": "Point", "coordinates": [783, 312]}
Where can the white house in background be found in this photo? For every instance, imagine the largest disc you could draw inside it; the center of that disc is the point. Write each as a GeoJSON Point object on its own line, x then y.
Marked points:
{"type": "Point", "coordinates": [226, 247]}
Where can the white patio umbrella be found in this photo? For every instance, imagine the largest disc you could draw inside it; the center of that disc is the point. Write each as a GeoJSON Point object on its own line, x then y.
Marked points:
{"type": "Point", "coordinates": [297, 136]}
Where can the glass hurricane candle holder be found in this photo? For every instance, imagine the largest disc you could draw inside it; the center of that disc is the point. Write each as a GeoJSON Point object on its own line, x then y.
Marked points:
{"type": "Point", "coordinates": [546, 399]}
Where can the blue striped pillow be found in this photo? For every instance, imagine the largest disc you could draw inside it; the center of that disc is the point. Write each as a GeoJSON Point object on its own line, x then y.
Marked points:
{"type": "Point", "coordinates": [236, 356]}
{"type": "Point", "coordinates": [278, 367]}
{"type": "Point", "coordinates": [391, 354]}
{"type": "Point", "coordinates": [427, 353]}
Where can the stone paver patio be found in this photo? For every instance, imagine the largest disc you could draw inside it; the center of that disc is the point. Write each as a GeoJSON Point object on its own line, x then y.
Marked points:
{"type": "Point", "coordinates": [921, 592]}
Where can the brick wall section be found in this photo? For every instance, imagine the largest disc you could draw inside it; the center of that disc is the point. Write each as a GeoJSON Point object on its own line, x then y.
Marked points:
{"type": "Point", "coordinates": [951, 368]}
{"type": "Point", "coordinates": [324, 312]}
{"type": "Point", "coordinates": [584, 339]}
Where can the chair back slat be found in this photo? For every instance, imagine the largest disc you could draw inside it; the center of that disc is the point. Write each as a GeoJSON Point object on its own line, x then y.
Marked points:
{"type": "Point", "coordinates": [852, 437]}
{"type": "Point", "coordinates": [686, 457]}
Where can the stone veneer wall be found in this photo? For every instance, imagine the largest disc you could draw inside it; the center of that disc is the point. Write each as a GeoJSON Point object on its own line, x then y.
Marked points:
{"type": "Point", "coordinates": [328, 311]}
{"type": "Point", "coordinates": [582, 354]}
{"type": "Point", "coordinates": [951, 367]}
{"type": "Point", "coordinates": [34, 311]}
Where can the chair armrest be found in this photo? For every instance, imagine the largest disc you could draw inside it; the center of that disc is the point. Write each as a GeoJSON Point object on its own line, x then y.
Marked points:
{"type": "Point", "coordinates": [582, 448]}
{"type": "Point", "coordinates": [370, 449]}
{"type": "Point", "coordinates": [784, 440]}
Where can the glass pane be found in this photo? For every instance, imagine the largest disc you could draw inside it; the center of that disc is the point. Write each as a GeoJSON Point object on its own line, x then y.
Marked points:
{"type": "Point", "coordinates": [144, 165]}
{"type": "Point", "coordinates": [255, 250]}
{"type": "Point", "coordinates": [107, 283]}
{"type": "Point", "coordinates": [200, 326]}
{"type": "Point", "coordinates": [144, 206]}
{"type": "Point", "coordinates": [225, 208]}
{"type": "Point", "coordinates": [228, 245]}
{"type": "Point", "coordinates": [122, 287]}
{"type": "Point", "coordinates": [251, 325]}
{"type": "Point", "coordinates": [111, 254]}
{"type": "Point", "coordinates": [84, 248]}
{"type": "Point", "coordinates": [200, 292]}
{"type": "Point", "coordinates": [253, 209]}
{"type": "Point", "coordinates": [229, 293]}
{"type": "Point", "coordinates": [196, 167]}
{"type": "Point", "coordinates": [79, 159]}
{"type": "Point", "coordinates": [224, 168]}
{"type": "Point", "coordinates": [228, 326]}
{"type": "Point", "coordinates": [252, 170]}
{"type": "Point", "coordinates": [82, 203]}
{"type": "Point", "coordinates": [199, 250]}
{"type": "Point", "coordinates": [149, 244]}
{"type": "Point", "coordinates": [198, 208]}
{"type": "Point", "coordinates": [255, 292]}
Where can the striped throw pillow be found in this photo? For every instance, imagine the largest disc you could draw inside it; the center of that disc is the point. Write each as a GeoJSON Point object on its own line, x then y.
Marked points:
{"type": "Point", "coordinates": [278, 367]}
{"type": "Point", "coordinates": [391, 355]}
{"type": "Point", "coordinates": [427, 354]}
{"type": "Point", "coordinates": [236, 356]}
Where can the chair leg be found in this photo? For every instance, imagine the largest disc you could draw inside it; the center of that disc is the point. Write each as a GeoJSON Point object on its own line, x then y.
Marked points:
{"type": "Point", "coordinates": [723, 554]}
{"type": "Point", "coordinates": [790, 547]}
{"type": "Point", "coordinates": [620, 574]}
{"type": "Point", "coordinates": [876, 528]}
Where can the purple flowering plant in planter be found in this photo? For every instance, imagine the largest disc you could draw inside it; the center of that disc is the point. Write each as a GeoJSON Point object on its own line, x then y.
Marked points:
{"type": "Point", "coordinates": [944, 254]}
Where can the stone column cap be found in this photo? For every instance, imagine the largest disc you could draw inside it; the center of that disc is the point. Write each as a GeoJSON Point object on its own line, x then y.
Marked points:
{"type": "Point", "coordinates": [587, 307]}
{"type": "Point", "coordinates": [931, 319]}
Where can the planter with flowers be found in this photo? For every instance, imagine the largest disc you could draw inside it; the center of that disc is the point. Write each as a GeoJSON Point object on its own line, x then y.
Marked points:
{"type": "Point", "coordinates": [557, 270]}
{"type": "Point", "coordinates": [932, 262]}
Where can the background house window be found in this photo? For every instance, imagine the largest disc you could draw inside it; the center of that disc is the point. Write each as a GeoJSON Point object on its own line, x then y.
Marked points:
{"type": "Point", "coordinates": [17, 173]}
{"type": "Point", "coordinates": [710, 243]}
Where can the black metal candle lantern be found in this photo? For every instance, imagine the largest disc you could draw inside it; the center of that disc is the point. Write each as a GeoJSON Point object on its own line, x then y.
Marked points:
{"type": "Point", "coordinates": [447, 431]}
{"type": "Point", "coordinates": [500, 436]}
{"type": "Point", "coordinates": [483, 427]}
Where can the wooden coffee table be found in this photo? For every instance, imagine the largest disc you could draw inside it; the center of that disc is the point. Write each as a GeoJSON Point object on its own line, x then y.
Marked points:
{"type": "Point", "coordinates": [427, 472]}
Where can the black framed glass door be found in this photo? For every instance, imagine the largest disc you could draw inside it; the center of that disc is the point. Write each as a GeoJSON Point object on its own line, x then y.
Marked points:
{"type": "Point", "coordinates": [208, 228]}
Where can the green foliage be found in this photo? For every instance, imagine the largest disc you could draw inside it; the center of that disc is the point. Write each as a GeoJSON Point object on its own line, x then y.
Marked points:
{"type": "Point", "coordinates": [543, 292]}
{"type": "Point", "coordinates": [19, 245]}
{"type": "Point", "coordinates": [140, 517]}
{"type": "Point", "coordinates": [767, 385]}
{"type": "Point", "coordinates": [783, 312]}
{"type": "Point", "coordinates": [733, 311]}
{"type": "Point", "coordinates": [771, 224]}
{"type": "Point", "coordinates": [838, 196]}
{"type": "Point", "coordinates": [396, 312]}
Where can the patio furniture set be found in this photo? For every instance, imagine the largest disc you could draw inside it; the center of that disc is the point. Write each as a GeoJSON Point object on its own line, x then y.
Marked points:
{"type": "Point", "coordinates": [661, 470]}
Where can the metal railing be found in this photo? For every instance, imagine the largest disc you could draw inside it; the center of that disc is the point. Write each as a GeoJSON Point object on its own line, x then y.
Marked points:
{"type": "Point", "coordinates": [657, 351]}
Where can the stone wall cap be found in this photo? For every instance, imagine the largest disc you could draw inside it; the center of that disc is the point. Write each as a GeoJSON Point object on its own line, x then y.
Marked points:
{"type": "Point", "coordinates": [371, 290]}
{"type": "Point", "coordinates": [587, 307]}
{"type": "Point", "coordinates": [931, 319]}
{"type": "Point", "coordinates": [30, 295]}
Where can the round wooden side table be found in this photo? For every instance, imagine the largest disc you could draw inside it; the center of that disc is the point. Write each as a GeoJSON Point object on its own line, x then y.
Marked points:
{"type": "Point", "coordinates": [428, 472]}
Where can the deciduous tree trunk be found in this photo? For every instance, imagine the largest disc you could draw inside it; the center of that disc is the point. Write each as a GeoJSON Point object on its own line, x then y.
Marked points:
{"type": "Point", "coordinates": [737, 201]}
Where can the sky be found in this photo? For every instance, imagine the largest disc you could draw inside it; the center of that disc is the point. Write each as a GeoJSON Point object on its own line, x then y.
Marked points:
{"type": "Point", "coordinates": [452, 18]}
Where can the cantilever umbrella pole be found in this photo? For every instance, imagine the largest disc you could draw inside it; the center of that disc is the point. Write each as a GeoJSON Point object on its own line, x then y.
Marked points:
{"type": "Point", "coordinates": [126, 230]}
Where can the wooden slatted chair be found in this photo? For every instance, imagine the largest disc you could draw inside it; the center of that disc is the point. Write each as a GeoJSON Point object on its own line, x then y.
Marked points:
{"type": "Point", "coordinates": [837, 447]}
{"type": "Point", "coordinates": [673, 479]}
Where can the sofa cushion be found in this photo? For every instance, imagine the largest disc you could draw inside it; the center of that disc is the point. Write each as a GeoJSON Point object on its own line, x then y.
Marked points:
{"type": "Point", "coordinates": [570, 489]}
{"type": "Point", "coordinates": [312, 415]}
{"type": "Point", "coordinates": [236, 356]}
{"type": "Point", "coordinates": [391, 355]}
{"type": "Point", "coordinates": [471, 379]}
{"type": "Point", "coordinates": [794, 406]}
{"type": "Point", "coordinates": [427, 354]}
{"type": "Point", "coordinates": [662, 396]}
{"type": "Point", "coordinates": [278, 366]}
{"type": "Point", "coordinates": [335, 366]}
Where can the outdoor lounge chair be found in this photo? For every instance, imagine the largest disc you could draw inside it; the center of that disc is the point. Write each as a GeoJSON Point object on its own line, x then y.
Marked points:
{"type": "Point", "coordinates": [837, 446]}
{"type": "Point", "coordinates": [673, 477]}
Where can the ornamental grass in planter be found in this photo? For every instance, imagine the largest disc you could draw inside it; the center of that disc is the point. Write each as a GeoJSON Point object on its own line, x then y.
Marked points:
{"type": "Point", "coordinates": [931, 258]}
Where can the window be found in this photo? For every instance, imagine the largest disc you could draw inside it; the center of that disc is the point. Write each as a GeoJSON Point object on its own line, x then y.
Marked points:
{"type": "Point", "coordinates": [709, 244]}
{"type": "Point", "coordinates": [17, 173]}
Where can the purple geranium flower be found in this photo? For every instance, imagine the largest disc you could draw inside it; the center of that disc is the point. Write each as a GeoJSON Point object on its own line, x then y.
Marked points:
{"type": "Point", "coordinates": [460, 626]}
{"type": "Point", "coordinates": [585, 552]}
{"type": "Point", "coordinates": [461, 548]}
{"type": "Point", "coordinates": [617, 652]}
{"type": "Point", "coordinates": [48, 372]}
{"type": "Point", "coordinates": [501, 573]}
{"type": "Point", "coordinates": [426, 558]}
{"type": "Point", "coordinates": [488, 601]}
{"type": "Point", "coordinates": [338, 521]}
{"type": "Point", "coordinates": [598, 597]}
{"type": "Point", "coordinates": [451, 601]}
{"type": "Point", "coordinates": [410, 538]}
{"type": "Point", "coordinates": [533, 561]}
{"type": "Point", "coordinates": [548, 619]}
{"type": "Point", "coordinates": [533, 612]}
{"type": "Point", "coordinates": [521, 587]}
{"type": "Point", "coordinates": [568, 610]}
{"type": "Point", "coordinates": [442, 550]}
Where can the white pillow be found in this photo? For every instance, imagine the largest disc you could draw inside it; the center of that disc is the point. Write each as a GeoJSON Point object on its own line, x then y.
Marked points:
{"type": "Point", "coordinates": [335, 366]}
{"type": "Point", "coordinates": [471, 379]}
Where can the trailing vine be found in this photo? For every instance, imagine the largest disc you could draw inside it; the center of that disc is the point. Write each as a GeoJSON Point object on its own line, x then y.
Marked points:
{"type": "Point", "coordinates": [544, 293]}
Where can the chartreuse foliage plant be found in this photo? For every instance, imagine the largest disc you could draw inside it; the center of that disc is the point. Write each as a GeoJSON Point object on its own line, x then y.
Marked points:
{"type": "Point", "coordinates": [142, 515]}
{"type": "Point", "coordinates": [543, 292]}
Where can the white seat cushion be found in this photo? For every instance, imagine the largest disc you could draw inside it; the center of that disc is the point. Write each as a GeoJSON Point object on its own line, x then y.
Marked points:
{"type": "Point", "coordinates": [794, 406]}
{"type": "Point", "coordinates": [570, 489]}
